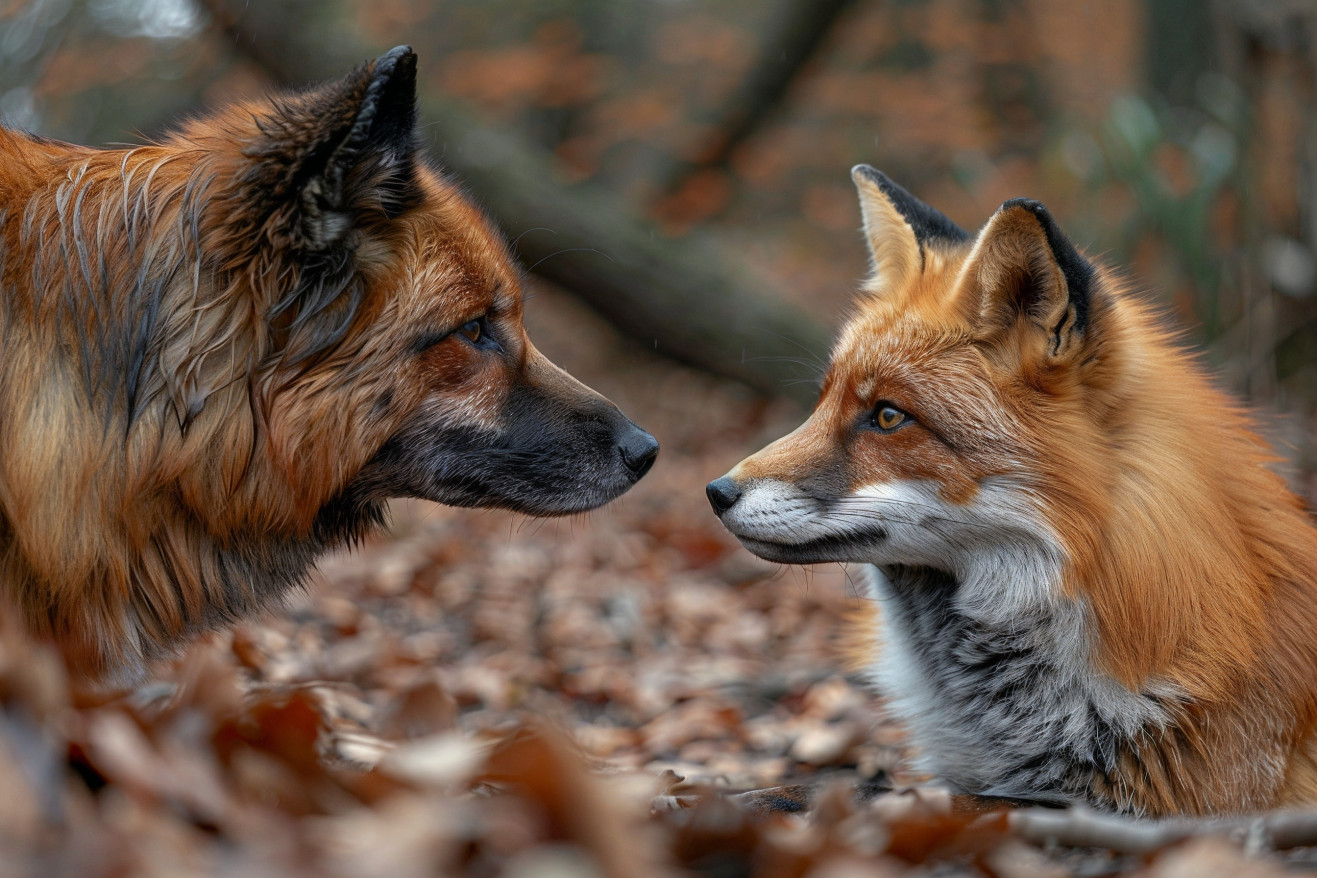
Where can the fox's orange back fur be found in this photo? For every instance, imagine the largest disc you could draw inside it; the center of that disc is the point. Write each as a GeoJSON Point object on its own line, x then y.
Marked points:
{"type": "Point", "coordinates": [1189, 566]}
{"type": "Point", "coordinates": [210, 343]}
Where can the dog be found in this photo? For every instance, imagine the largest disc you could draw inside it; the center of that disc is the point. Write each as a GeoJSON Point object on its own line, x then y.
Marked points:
{"type": "Point", "coordinates": [225, 350]}
{"type": "Point", "coordinates": [1084, 583]}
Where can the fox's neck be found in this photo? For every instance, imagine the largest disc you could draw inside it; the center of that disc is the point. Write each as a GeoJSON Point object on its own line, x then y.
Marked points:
{"type": "Point", "coordinates": [1002, 704]}
{"type": "Point", "coordinates": [1198, 563]}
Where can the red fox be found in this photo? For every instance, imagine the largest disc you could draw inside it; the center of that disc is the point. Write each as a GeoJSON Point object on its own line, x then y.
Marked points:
{"type": "Point", "coordinates": [1085, 585]}
{"type": "Point", "coordinates": [225, 350]}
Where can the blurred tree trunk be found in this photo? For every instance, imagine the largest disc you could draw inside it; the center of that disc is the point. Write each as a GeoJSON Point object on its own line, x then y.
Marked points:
{"type": "Point", "coordinates": [1180, 47]}
{"type": "Point", "coordinates": [684, 297]}
{"type": "Point", "coordinates": [1266, 48]}
{"type": "Point", "coordinates": [801, 28]}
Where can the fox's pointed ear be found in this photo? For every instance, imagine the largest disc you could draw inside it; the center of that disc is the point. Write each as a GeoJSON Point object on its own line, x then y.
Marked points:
{"type": "Point", "coordinates": [898, 228]}
{"type": "Point", "coordinates": [1023, 270]}
{"type": "Point", "coordinates": [350, 145]}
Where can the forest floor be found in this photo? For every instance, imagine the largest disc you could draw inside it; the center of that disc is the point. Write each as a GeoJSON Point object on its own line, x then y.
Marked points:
{"type": "Point", "coordinates": [478, 693]}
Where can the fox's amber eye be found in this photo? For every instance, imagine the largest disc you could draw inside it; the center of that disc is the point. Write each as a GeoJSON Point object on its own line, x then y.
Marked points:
{"type": "Point", "coordinates": [887, 417]}
{"type": "Point", "coordinates": [473, 331]}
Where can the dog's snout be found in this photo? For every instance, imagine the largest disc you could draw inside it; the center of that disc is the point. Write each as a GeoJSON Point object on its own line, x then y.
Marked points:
{"type": "Point", "coordinates": [723, 494]}
{"type": "Point", "coordinates": [638, 449]}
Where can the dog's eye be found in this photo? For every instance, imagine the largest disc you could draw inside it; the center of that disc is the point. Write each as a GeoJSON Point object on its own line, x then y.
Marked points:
{"type": "Point", "coordinates": [888, 417]}
{"type": "Point", "coordinates": [477, 333]}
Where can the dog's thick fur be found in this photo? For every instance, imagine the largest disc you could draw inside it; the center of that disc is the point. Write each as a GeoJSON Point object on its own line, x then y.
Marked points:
{"type": "Point", "coordinates": [223, 351]}
{"type": "Point", "coordinates": [1085, 583]}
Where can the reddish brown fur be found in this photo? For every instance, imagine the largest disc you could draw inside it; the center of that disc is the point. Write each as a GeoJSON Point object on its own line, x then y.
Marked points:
{"type": "Point", "coordinates": [1197, 565]}
{"type": "Point", "coordinates": [134, 512]}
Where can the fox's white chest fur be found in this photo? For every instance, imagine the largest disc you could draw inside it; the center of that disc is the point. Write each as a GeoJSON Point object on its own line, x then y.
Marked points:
{"type": "Point", "coordinates": [1001, 704]}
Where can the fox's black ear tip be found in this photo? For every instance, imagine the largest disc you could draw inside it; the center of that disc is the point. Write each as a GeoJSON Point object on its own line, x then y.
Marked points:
{"type": "Point", "coordinates": [926, 222]}
{"type": "Point", "coordinates": [1039, 212]}
{"type": "Point", "coordinates": [863, 172]}
{"type": "Point", "coordinates": [1037, 208]}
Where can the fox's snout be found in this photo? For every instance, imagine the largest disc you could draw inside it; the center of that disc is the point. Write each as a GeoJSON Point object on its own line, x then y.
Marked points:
{"type": "Point", "coordinates": [723, 494]}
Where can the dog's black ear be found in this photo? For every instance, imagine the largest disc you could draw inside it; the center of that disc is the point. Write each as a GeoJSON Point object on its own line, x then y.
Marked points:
{"type": "Point", "coordinates": [325, 156]}
{"type": "Point", "coordinates": [1024, 272]}
{"type": "Point", "coordinates": [372, 155]}
{"type": "Point", "coordinates": [898, 228]}
{"type": "Point", "coordinates": [326, 169]}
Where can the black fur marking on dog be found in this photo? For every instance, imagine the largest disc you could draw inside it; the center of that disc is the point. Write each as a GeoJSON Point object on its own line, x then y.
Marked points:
{"type": "Point", "coordinates": [545, 459]}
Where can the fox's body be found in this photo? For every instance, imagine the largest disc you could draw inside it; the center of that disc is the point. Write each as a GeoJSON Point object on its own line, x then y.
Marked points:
{"type": "Point", "coordinates": [1085, 584]}
{"type": "Point", "coordinates": [223, 352]}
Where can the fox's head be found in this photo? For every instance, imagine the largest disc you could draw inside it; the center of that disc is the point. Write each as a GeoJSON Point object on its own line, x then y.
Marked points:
{"type": "Point", "coordinates": [961, 401]}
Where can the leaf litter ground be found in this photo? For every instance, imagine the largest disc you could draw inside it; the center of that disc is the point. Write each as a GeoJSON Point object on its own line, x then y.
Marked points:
{"type": "Point", "coordinates": [482, 694]}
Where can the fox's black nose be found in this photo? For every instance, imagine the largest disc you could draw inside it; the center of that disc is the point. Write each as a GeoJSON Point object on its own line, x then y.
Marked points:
{"type": "Point", "coordinates": [723, 494]}
{"type": "Point", "coordinates": [638, 449]}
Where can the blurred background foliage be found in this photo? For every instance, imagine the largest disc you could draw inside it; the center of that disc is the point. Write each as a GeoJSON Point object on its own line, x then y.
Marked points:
{"type": "Point", "coordinates": [1176, 138]}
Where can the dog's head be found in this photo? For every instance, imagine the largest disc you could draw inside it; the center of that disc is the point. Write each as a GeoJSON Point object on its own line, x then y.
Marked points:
{"type": "Point", "coordinates": [376, 317]}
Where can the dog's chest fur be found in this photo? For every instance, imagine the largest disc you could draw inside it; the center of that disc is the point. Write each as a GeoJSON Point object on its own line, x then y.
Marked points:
{"type": "Point", "coordinates": [1008, 708]}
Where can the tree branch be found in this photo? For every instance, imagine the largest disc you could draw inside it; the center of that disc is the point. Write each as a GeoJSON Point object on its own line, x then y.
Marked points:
{"type": "Point", "coordinates": [1082, 827]}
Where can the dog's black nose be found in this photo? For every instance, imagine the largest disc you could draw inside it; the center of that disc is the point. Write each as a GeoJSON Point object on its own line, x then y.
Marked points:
{"type": "Point", "coordinates": [723, 494]}
{"type": "Point", "coordinates": [638, 449]}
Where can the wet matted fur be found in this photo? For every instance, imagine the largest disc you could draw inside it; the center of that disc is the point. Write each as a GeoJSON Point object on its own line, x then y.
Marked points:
{"type": "Point", "coordinates": [224, 351]}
